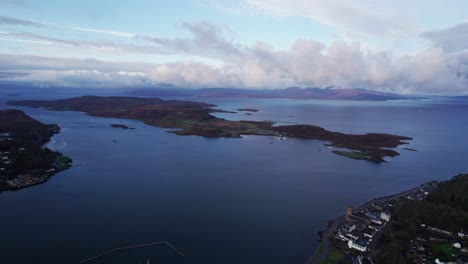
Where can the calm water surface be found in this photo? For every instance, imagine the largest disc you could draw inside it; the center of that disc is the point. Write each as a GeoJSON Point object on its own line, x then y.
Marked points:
{"type": "Point", "coordinates": [218, 200]}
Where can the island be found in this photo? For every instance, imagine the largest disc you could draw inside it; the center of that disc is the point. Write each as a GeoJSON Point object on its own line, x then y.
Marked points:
{"type": "Point", "coordinates": [23, 160]}
{"type": "Point", "coordinates": [247, 110]}
{"type": "Point", "coordinates": [195, 118]}
{"type": "Point", "coordinates": [410, 149]}
{"type": "Point", "coordinates": [427, 224]}
{"type": "Point", "coordinates": [121, 126]}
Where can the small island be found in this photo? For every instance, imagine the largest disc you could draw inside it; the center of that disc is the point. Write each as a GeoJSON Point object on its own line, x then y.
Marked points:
{"type": "Point", "coordinates": [410, 149]}
{"type": "Point", "coordinates": [247, 110]}
{"type": "Point", "coordinates": [23, 160]}
{"type": "Point", "coordinates": [121, 126]}
{"type": "Point", "coordinates": [194, 118]}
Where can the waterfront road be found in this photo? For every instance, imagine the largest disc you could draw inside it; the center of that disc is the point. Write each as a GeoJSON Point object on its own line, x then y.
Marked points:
{"type": "Point", "coordinates": [321, 254]}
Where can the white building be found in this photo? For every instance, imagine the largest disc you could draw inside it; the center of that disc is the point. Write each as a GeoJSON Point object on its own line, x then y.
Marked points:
{"type": "Point", "coordinates": [360, 244]}
{"type": "Point", "coordinates": [461, 234]}
{"type": "Point", "coordinates": [386, 216]}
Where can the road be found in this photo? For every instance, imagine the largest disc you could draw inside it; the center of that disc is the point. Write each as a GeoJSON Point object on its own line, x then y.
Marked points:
{"type": "Point", "coordinates": [322, 252]}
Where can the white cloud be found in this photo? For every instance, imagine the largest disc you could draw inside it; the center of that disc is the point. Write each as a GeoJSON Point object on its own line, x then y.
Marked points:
{"type": "Point", "coordinates": [107, 32]}
{"type": "Point", "coordinates": [352, 17]}
{"type": "Point", "coordinates": [5, 20]}
{"type": "Point", "coordinates": [28, 41]}
{"type": "Point", "coordinates": [206, 39]}
{"type": "Point", "coordinates": [450, 39]}
{"type": "Point", "coordinates": [307, 63]}
{"type": "Point", "coordinates": [441, 68]}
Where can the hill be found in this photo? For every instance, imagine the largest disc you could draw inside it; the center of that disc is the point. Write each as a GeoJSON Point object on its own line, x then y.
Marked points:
{"type": "Point", "coordinates": [356, 94]}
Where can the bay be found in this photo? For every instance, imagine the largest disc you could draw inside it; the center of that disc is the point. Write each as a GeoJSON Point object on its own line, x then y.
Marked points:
{"type": "Point", "coordinates": [249, 200]}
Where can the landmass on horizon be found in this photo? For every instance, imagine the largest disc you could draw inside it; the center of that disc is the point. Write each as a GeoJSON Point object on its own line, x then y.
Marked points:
{"type": "Point", "coordinates": [328, 93]}
{"type": "Point", "coordinates": [167, 90]}
{"type": "Point", "coordinates": [194, 118]}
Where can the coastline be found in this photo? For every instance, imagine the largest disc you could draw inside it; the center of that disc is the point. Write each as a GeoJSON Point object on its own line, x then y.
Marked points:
{"type": "Point", "coordinates": [321, 253]}
{"type": "Point", "coordinates": [195, 118]}
{"type": "Point", "coordinates": [25, 161]}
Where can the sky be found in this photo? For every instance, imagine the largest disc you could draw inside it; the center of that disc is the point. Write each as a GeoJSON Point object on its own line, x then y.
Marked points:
{"type": "Point", "coordinates": [409, 47]}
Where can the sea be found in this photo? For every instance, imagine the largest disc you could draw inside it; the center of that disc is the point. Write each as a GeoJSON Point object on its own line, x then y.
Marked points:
{"type": "Point", "coordinates": [254, 199]}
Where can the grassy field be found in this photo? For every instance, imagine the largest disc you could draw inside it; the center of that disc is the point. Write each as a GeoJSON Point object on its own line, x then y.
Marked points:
{"type": "Point", "coordinates": [334, 257]}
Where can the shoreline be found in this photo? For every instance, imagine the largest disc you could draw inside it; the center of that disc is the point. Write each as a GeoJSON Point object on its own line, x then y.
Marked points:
{"type": "Point", "coordinates": [318, 255]}
{"type": "Point", "coordinates": [195, 118]}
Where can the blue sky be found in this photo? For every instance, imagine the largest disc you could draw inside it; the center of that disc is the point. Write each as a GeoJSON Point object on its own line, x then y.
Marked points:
{"type": "Point", "coordinates": [402, 46]}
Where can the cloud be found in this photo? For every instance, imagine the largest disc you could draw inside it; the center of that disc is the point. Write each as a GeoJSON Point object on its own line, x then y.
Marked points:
{"type": "Point", "coordinates": [452, 39]}
{"type": "Point", "coordinates": [112, 46]}
{"type": "Point", "coordinates": [13, 21]}
{"type": "Point", "coordinates": [20, 3]}
{"type": "Point", "coordinates": [352, 17]}
{"type": "Point", "coordinates": [84, 78]}
{"type": "Point", "coordinates": [20, 22]}
{"type": "Point", "coordinates": [33, 63]}
{"type": "Point", "coordinates": [441, 68]}
{"type": "Point", "coordinates": [107, 32]}
{"type": "Point", "coordinates": [207, 40]}
{"type": "Point", "coordinates": [308, 63]}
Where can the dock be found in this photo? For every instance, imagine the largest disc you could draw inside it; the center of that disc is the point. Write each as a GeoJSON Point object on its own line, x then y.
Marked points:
{"type": "Point", "coordinates": [160, 243]}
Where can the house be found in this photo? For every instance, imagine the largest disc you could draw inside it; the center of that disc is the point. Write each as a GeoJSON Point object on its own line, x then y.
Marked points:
{"type": "Point", "coordinates": [376, 220]}
{"type": "Point", "coordinates": [350, 227]}
{"type": "Point", "coordinates": [440, 231]}
{"type": "Point", "coordinates": [342, 237]}
{"type": "Point", "coordinates": [355, 234]}
{"type": "Point", "coordinates": [369, 233]}
{"type": "Point", "coordinates": [462, 234]}
{"type": "Point", "coordinates": [360, 244]}
{"type": "Point", "coordinates": [353, 217]}
{"type": "Point", "coordinates": [386, 215]}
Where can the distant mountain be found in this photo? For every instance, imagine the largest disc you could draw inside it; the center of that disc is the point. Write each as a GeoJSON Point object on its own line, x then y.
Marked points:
{"type": "Point", "coordinates": [356, 94]}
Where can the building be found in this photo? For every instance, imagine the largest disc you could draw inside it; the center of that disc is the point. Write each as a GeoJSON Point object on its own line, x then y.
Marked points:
{"type": "Point", "coordinates": [462, 234]}
{"type": "Point", "coordinates": [352, 217]}
{"type": "Point", "coordinates": [350, 227]}
{"type": "Point", "coordinates": [386, 215]}
{"type": "Point", "coordinates": [440, 231]}
{"type": "Point", "coordinates": [360, 244]}
{"type": "Point", "coordinates": [376, 220]}
{"type": "Point", "coordinates": [355, 235]}
{"type": "Point", "coordinates": [369, 233]}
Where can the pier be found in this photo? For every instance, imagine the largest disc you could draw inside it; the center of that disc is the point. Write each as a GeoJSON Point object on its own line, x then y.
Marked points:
{"type": "Point", "coordinates": [160, 243]}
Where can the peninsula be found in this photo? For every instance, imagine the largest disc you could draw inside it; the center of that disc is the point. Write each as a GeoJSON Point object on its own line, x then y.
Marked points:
{"type": "Point", "coordinates": [194, 118]}
{"type": "Point", "coordinates": [23, 161]}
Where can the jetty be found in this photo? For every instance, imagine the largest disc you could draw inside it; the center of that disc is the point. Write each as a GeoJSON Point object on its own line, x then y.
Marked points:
{"type": "Point", "coordinates": [160, 243]}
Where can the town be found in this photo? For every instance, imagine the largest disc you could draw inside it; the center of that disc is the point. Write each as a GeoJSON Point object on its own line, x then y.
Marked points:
{"type": "Point", "coordinates": [357, 236]}
{"type": "Point", "coordinates": [23, 159]}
